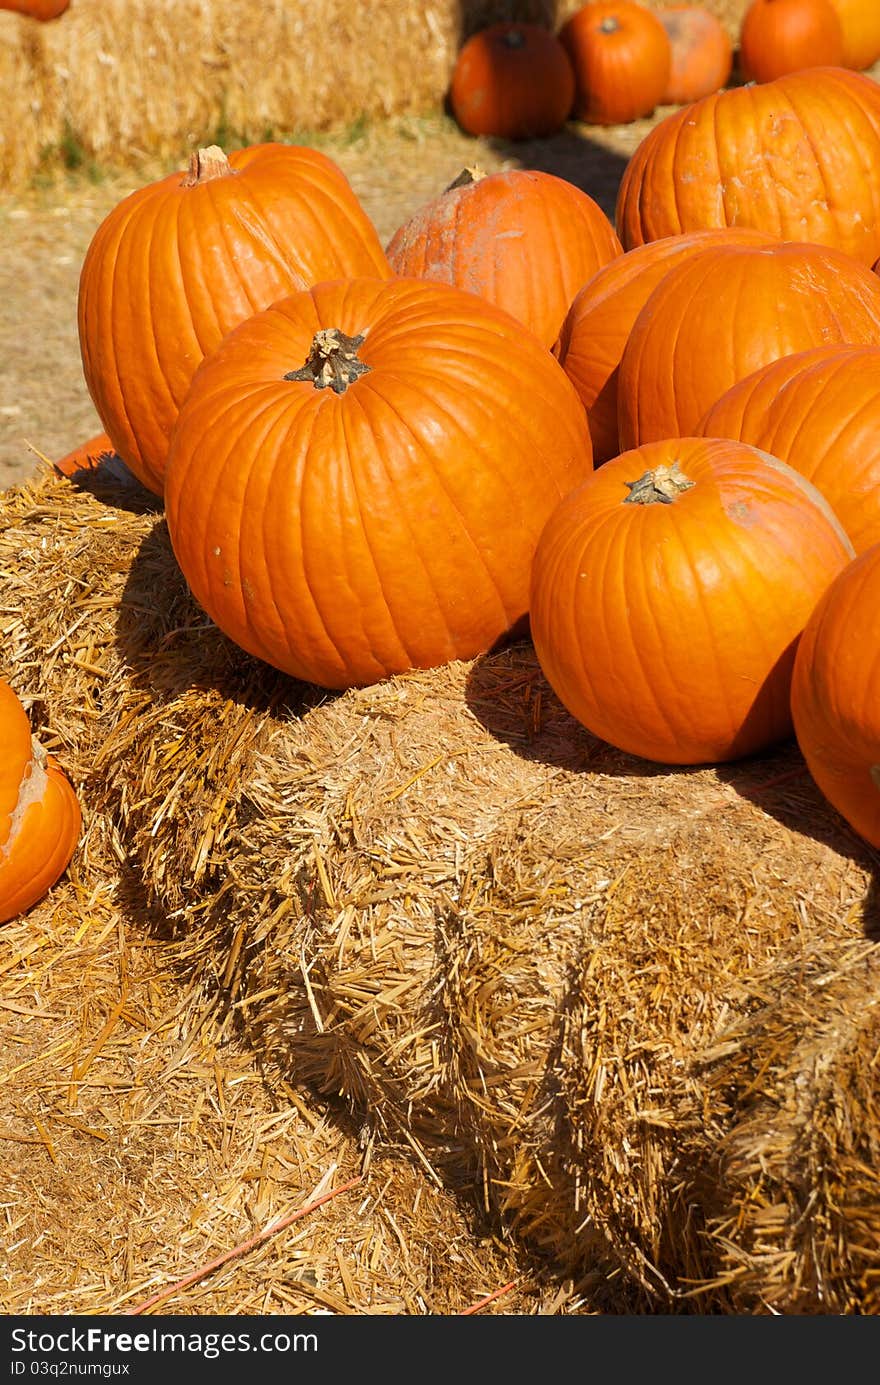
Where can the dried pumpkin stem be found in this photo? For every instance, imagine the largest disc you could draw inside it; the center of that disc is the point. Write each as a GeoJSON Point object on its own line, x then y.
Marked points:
{"type": "Point", "coordinates": [659, 486]}
{"type": "Point", "coordinates": [332, 361]}
{"type": "Point", "coordinates": [205, 164]}
{"type": "Point", "coordinates": [467, 176]}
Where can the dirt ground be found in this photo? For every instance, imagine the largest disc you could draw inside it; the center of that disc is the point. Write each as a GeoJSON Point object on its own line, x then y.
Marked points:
{"type": "Point", "coordinates": [44, 234]}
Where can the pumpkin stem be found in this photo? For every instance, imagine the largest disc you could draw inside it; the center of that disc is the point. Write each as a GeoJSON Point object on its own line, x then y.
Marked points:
{"type": "Point", "coordinates": [332, 360]}
{"type": "Point", "coordinates": [514, 38]}
{"type": "Point", "coordinates": [661, 486]}
{"type": "Point", "coordinates": [467, 176]}
{"type": "Point", "coordinates": [205, 164]}
{"type": "Point", "coordinates": [609, 24]}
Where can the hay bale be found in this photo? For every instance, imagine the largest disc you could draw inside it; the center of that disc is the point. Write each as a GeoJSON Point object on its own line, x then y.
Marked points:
{"type": "Point", "coordinates": [554, 972]}
{"type": "Point", "coordinates": [74, 92]}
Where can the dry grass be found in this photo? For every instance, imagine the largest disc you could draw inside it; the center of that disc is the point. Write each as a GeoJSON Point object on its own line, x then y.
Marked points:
{"type": "Point", "coordinates": [187, 71]}
{"type": "Point", "coordinates": [629, 1012]}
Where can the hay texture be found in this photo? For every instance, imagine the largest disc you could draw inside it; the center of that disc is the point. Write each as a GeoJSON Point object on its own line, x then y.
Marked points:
{"type": "Point", "coordinates": [119, 81]}
{"type": "Point", "coordinates": [633, 1009]}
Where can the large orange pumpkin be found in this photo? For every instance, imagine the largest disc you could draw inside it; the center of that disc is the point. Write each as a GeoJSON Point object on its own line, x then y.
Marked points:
{"type": "Point", "coordinates": [621, 57]}
{"type": "Point", "coordinates": [781, 36]}
{"type": "Point", "coordinates": [602, 314]}
{"type": "Point", "coordinates": [522, 239]}
{"type": "Point", "coordinates": [798, 157]}
{"type": "Point", "coordinates": [726, 311]}
{"type": "Point", "coordinates": [860, 24]}
{"type": "Point", "coordinates": [178, 263]}
{"type": "Point", "coordinates": [513, 81]}
{"type": "Point", "coordinates": [40, 817]}
{"type": "Point", "coordinates": [819, 410]}
{"type": "Point", "coordinates": [702, 53]}
{"type": "Point", "coordinates": [359, 475]}
{"type": "Point", "coordinates": [669, 592]}
{"type": "Point", "coordinates": [835, 694]}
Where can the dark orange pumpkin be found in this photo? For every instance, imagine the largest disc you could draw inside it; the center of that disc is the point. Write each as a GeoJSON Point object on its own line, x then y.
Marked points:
{"type": "Point", "coordinates": [726, 311]}
{"type": "Point", "coordinates": [179, 262]}
{"type": "Point", "coordinates": [818, 410]}
{"type": "Point", "coordinates": [522, 239]}
{"type": "Point", "coordinates": [781, 36]}
{"type": "Point", "coordinates": [359, 475]}
{"type": "Point", "coordinates": [85, 457]}
{"type": "Point", "coordinates": [702, 53]}
{"type": "Point", "coordinates": [798, 157]}
{"type": "Point", "coordinates": [835, 694]}
{"type": "Point", "coordinates": [621, 58]}
{"type": "Point", "coordinates": [513, 81]}
{"type": "Point", "coordinates": [602, 314]}
{"type": "Point", "coordinates": [42, 10]}
{"type": "Point", "coordinates": [669, 592]}
{"type": "Point", "coordinates": [40, 817]}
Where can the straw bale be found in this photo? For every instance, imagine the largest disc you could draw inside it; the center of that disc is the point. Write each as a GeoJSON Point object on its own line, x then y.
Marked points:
{"type": "Point", "coordinates": [199, 72]}
{"type": "Point", "coordinates": [558, 975]}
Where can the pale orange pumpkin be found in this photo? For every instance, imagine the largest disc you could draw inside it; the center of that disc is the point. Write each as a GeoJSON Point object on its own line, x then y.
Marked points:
{"type": "Point", "coordinates": [702, 53]}
{"type": "Point", "coordinates": [860, 26]}
{"type": "Point", "coordinates": [40, 817]}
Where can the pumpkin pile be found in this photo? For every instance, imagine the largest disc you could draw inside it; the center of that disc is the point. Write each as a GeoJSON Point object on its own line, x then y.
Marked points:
{"type": "Point", "coordinates": [648, 445]}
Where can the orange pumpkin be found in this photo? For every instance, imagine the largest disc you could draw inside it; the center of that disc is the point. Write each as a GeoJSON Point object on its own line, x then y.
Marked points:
{"type": "Point", "coordinates": [359, 475]}
{"type": "Point", "coordinates": [781, 36]}
{"type": "Point", "coordinates": [40, 818]}
{"type": "Point", "coordinates": [602, 314]}
{"type": "Point", "coordinates": [513, 81]}
{"type": "Point", "coordinates": [669, 592]}
{"type": "Point", "coordinates": [860, 25]}
{"type": "Point", "coordinates": [798, 158]}
{"type": "Point", "coordinates": [621, 58]}
{"type": "Point", "coordinates": [835, 694]}
{"type": "Point", "coordinates": [702, 53]}
{"type": "Point", "coordinates": [726, 311]}
{"type": "Point", "coordinates": [818, 410]}
{"type": "Point", "coordinates": [42, 10]}
{"type": "Point", "coordinates": [178, 263]}
{"type": "Point", "coordinates": [85, 457]}
{"type": "Point", "coordinates": [523, 239]}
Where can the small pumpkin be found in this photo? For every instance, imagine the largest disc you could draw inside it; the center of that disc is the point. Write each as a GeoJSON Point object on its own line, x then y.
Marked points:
{"type": "Point", "coordinates": [726, 311]}
{"type": "Point", "coordinates": [40, 816]}
{"type": "Point", "coordinates": [781, 36]}
{"type": "Point", "coordinates": [669, 592]}
{"type": "Point", "coordinates": [86, 457]}
{"type": "Point", "coordinates": [798, 157]}
{"type": "Point", "coordinates": [860, 25]}
{"type": "Point", "coordinates": [621, 57]}
{"type": "Point", "coordinates": [522, 239]}
{"type": "Point", "coordinates": [702, 53]}
{"type": "Point", "coordinates": [835, 694]}
{"type": "Point", "coordinates": [512, 81]}
{"type": "Point", "coordinates": [596, 327]}
{"type": "Point", "coordinates": [359, 475]}
{"type": "Point", "coordinates": [179, 262]}
{"type": "Point", "coordinates": [819, 410]}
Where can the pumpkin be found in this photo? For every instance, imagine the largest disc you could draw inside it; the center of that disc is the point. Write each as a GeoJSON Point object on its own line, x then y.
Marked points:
{"type": "Point", "coordinates": [798, 157]}
{"type": "Point", "coordinates": [86, 457]}
{"type": "Point", "coordinates": [179, 262]}
{"type": "Point", "coordinates": [726, 311]}
{"type": "Point", "coordinates": [669, 591]}
{"type": "Point", "coordinates": [42, 10]}
{"type": "Point", "coordinates": [835, 694]}
{"type": "Point", "coordinates": [359, 474]}
{"type": "Point", "coordinates": [513, 81]}
{"type": "Point", "coordinates": [860, 26]}
{"type": "Point", "coordinates": [818, 410]}
{"type": "Point", "coordinates": [621, 57]}
{"type": "Point", "coordinates": [702, 53]}
{"type": "Point", "coordinates": [40, 817]}
{"type": "Point", "coordinates": [780, 36]}
{"type": "Point", "coordinates": [523, 239]}
{"type": "Point", "coordinates": [601, 316]}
